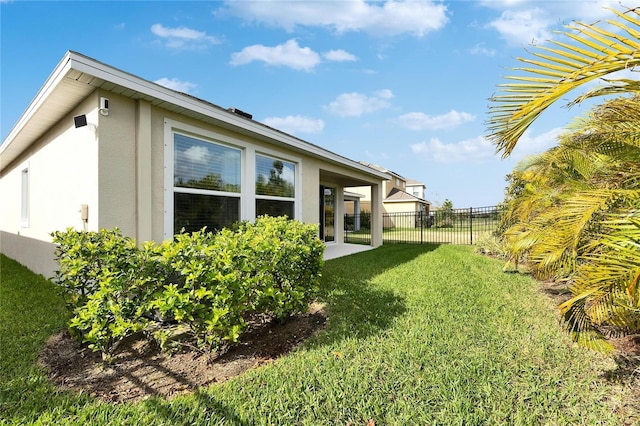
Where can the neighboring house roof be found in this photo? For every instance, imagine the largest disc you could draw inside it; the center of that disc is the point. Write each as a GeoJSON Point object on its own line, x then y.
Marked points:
{"type": "Point", "coordinates": [411, 182]}
{"type": "Point", "coordinates": [399, 196]}
{"type": "Point", "coordinates": [382, 169]}
{"type": "Point", "coordinates": [76, 76]}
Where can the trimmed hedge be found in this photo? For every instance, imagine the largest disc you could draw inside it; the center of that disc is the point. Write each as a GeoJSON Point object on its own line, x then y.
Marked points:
{"type": "Point", "coordinates": [208, 283]}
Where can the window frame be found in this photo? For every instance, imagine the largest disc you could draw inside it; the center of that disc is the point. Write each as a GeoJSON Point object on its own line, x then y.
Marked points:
{"type": "Point", "coordinates": [203, 191]}
{"type": "Point", "coordinates": [25, 195]}
{"type": "Point", "coordinates": [248, 152]}
{"type": "Point", "coordinates": [276, 197]}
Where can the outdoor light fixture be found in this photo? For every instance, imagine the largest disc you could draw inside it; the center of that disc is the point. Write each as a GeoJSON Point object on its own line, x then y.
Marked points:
{"type": "Point", "coordinates": [80, 120]}
{"type": "Point", "coordinates": [104, 106]}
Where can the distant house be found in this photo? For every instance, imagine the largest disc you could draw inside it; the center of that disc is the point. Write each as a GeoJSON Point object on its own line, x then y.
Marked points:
{"type": "Point", "coordinates": [101, 148]}
{"type": "Point", "coordinates": [416, 188]}
{"type": "Point", "coordinates": [400, 195]}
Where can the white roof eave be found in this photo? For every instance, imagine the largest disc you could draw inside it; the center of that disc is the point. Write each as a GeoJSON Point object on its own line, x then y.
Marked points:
{"type": "Point", "coordinates": [16, 141]}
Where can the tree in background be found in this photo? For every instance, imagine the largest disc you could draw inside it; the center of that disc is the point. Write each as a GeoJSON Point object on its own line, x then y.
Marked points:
{"type": "Point", "coordinates": [575, 210]}
{"type": "Point", "coordinates": [446, 214]}
{"type": "Point", "coordinates": [275, 185]}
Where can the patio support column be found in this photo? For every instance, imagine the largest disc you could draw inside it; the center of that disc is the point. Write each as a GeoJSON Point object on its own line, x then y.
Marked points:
{"type": "Point", "coordinates": [338, 219]}
{"type": "Point", "coordinates": [356, 214]}
{"type": "Point", "coordinates": [376, 215]}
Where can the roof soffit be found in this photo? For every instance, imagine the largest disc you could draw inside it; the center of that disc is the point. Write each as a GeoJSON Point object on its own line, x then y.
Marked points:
{"type": "Point", "coordinates": [77, 76]}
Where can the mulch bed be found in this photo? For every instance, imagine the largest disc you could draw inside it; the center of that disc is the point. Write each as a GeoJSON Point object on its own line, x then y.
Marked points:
{"type": "Point", "coordinates": [140, 370]}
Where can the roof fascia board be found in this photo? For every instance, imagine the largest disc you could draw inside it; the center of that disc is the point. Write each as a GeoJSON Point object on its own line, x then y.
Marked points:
{"type": "Point", "coordinates": [417, 200]}
{"type": "Point", "coordinates": [105, 72]}
{"type": "Point", "coordinates": [50, 84]}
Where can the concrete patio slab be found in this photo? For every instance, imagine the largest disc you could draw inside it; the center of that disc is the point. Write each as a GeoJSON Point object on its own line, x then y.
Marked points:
{"type": "Point", "coordinates": [333, 251]}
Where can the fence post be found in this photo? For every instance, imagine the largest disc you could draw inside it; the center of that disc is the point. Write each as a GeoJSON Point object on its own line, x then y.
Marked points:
{"type": "Point", "coordinates": [471, 224]}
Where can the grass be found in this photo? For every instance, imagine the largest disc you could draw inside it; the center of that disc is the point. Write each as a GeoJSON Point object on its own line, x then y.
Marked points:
{"type": "Point", "coordinates": [416, 335]}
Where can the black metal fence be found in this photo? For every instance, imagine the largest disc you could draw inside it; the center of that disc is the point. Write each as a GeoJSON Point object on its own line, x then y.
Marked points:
{"type": "Point", "coordinates": [445, 226]}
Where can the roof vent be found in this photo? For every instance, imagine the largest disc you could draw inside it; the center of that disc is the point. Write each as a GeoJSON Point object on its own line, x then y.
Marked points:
{"type": "Point", "coordinates": [240, 112]}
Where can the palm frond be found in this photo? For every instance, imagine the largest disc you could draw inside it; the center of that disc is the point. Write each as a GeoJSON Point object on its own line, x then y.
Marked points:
{"type": "Point", "coordinates": [606, 283]}
{"type": "Point", "coordinates": [564, 67]}
{"type": "Point", "coordinates": [580, 326]}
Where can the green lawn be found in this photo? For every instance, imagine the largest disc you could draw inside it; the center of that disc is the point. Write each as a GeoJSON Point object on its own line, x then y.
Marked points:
{"type": "Point", "coordinates": [425, 235]}
{"type": "Point", "coordinates": [416, 335]}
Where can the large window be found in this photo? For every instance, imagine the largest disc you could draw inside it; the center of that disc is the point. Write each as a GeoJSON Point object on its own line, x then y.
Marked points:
{"type": "Point", "coordinates": [275, 187]}
{"type": "Point", "coordinates": [215, 179]}
{"type": "Point", "coordinates": [24, 202]}
{"type": "Point", "coordinates": [207, 184]}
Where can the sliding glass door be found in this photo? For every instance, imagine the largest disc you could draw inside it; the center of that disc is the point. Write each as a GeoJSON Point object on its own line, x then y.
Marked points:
{"type": "Point", "coordinates": [327, 213]}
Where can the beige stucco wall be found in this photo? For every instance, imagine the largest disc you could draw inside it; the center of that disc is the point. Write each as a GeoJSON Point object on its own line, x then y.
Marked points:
{"type": "Point", "coordinates": [400, 207]}
{"type": "Point", "coordinates": [402, 214]}
{"type": "Point", "coordinates": [63, 175]}
{"type": "Point", "coordinates": [120, 174]}
{"type": "Point", "coordinates": [116, 166]}
{"type": "Point", "coordinates": [362, 190]}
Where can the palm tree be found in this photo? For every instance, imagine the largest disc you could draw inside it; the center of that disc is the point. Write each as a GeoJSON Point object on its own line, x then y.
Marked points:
{"type": "Point", "coordinates": [578, 216]}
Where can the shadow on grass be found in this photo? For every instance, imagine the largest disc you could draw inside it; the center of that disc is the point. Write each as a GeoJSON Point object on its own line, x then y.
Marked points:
{"type": "Point", "coordinates": [355, 307]}
{"type": "Point", "coordinates": [201, 408]}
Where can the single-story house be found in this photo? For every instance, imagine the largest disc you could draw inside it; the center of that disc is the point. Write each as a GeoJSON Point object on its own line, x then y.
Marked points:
{"type": "Point", "coordinates": [101, 148]}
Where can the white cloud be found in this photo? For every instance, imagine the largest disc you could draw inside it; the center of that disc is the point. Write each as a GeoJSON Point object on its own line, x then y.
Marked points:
{"type": "Point", "coordinates": [529, 26]}
{"type": "Point", "coordinates": [175, 84]}
{"type": "Point", "coordinates": [295, 124]}
{"type": "Point", "coordinates": [481, 49]}
{"type": "Point", "coordinates": [422, 121]}
{"type": "Point", "coordinates": [205, 162]}
{"type": "Point", "coordinates": [384, 94]}
{"type": "Point", "coordinates": [592, 11]}
{"type": "Point", "coordinates": [183, 37]}
{"type": "Point", "coordinates": [587, 11]}
{"type": "Point", "coordinates": [529, 144]}
{"type": "Point", "coordinates": [480, 149]}
{"type": "Point", "coordinates": [195, 154]}
{"type": "Point", "coordinates": [356, 104]}
{"type": "Point", "coordinates": [527, 21]}
{"type": "Point", "coordinates": [289, 54]}
{"type": "Point", "coordinates": [471, 150]}
{"type": "Point", "coordinates": [417, 17]}
{"type": "Point", "coordinates": [339, 56]}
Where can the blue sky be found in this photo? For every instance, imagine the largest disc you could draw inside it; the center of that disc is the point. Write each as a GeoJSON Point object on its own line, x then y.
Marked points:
{"type": "Point", "coordinates": [401, 84]}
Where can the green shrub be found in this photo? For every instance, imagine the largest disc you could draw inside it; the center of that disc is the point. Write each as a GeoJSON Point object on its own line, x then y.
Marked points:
{"type": "Point", "coordinates": [207, 289]}
{"type": "Point", "coordinates": [111, 313]}
{"type": "Point", "coordinates": [288, 260]}
{"type": "Point", "coordinates": [491, 244]}
{"type": "Point", "coordinates": [271, 267]}
{"type": "Point", "coordinates": [105, 278]}
{"type": "Point", "coordinates": [209, 283]}
{"type": "Point", "coordinates": [84, 257]}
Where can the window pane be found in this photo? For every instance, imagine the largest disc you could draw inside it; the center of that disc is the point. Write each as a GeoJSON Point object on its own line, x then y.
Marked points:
{"type": "Point", "coordinates": [205, 165]}
{"type": "Point", "coordinates": [329, 203]}
{"type": "Point", "coordinates": [193, 212]}
{"type": "Point", "coordinates": [275, 177]}
{"type": "Point", "coordinates": [24, 206]}
{"type": "Point", "coordinates": [274, 208]}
